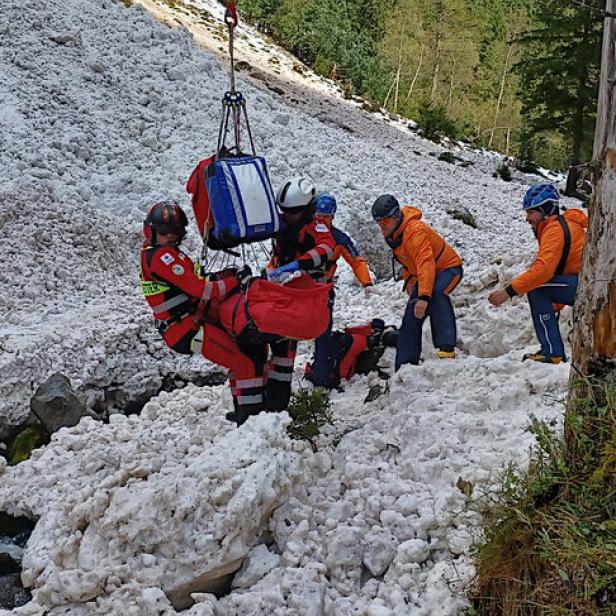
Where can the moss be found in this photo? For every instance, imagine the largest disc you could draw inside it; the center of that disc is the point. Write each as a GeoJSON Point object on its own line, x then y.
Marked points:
{"type": "Point", "coordinates": [550, 533]}
{"type": "Point", "coordinates": [26, 442]}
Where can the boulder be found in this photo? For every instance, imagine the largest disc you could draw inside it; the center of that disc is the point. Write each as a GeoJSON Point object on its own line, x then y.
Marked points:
{"type": "Point", "coordinates": [56, 405]}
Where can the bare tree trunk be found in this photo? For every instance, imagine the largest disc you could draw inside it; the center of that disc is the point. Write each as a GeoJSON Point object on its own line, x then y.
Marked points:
{"type": "Point", "coordinates": [451, 84]}
{"type": "Point", "coordinates": [399, 69]}
{"type": "Point", "coordinates": [439, 47]}
{"type": "Point", "coordinates": [508, 144]}
{"type": "Point", "coordinates": [594, 344]}
{"type": "Point", "coordinates": [500, 94]}
{"type": "Point", "coordinates": [416, 75]}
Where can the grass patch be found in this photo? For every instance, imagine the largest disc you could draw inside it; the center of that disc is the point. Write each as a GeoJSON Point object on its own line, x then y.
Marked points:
{"type": "Point", "coordinates": [463, 215]}
{"type": "Point", "coordinates": [310, 409]}
{"type": "Point", "coordinates": [550, 533]}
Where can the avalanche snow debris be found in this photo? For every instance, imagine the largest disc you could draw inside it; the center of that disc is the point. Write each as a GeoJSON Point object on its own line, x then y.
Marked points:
{"type": "Point", "coordinates": [89, 106]}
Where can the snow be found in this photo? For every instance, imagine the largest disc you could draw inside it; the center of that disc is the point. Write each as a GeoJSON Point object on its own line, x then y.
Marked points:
{"type": "Point", "coordinates": [103, 110]}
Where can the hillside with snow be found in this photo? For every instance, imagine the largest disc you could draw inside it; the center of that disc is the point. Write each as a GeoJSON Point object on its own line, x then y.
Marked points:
{"type": "Point", "coordinates": [104, 109]}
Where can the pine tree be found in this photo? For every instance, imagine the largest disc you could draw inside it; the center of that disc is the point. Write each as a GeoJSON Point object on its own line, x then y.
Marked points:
{"type": "Point", "coordinates": [560, 72]}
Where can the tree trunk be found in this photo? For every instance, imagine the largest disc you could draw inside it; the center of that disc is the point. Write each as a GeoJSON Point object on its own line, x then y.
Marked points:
{"type": "Point", "coordinates": [416, 75]}
{"type": "Point", "coordinates": [437, 55]}
{"type": "Point", "coordinates": [594, 344]}
{"type": "Point", "coordinates": [451, 85]}
{"type": "Point", "coordinates": [580, 101]}
{"type": "Point", "coordinates": [500, 95]}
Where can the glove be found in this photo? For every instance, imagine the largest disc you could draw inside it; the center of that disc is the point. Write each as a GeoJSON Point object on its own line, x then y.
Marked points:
{"type": "Point", "coordinates": [243, 275]}
{"type": "Point", "coordinates": [283, 272]}
{"type": "Point", "coordinates": [369, 291]}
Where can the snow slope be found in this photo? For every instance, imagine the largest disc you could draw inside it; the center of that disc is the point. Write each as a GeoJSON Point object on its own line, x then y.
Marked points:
{"type": "Point", "coordinates": [102, 110]}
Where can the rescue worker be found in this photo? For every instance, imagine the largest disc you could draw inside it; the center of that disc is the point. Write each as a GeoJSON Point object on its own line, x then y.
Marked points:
{"type": "Point", "coordinates": [179, 299]}
{"type": "Point", "coordinates": [322, 371]}
{"type": "Point", "coordinates": [431, 270]}
{"type": "Point", "coordinates": [553, 276]}
{"type": "Point", "coordinates": [304, 245]}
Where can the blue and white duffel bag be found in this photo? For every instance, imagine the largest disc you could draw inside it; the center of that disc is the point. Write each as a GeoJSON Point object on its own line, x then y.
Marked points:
{"type": "Point", "coordinates": [241, 200]}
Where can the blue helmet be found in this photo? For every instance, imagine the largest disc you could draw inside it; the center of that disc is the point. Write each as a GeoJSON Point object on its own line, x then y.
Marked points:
{"type": "Point", "coordinates": [326, 205]}
{"type": "Point", "coordinates": [541, 196]}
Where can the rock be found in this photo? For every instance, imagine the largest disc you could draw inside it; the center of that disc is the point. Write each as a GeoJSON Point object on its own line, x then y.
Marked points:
{"type": "Point", "coordinates": [12, 593]}
{"type": "Point", "coordinates": [56, 405]}
{"type": "Point", "coordinates": [26, 442]}
{"type": "Point", "coordinates": [10, 558]}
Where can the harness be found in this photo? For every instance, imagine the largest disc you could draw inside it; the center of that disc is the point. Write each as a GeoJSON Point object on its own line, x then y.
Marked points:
{"type": "Point", "coordinates": [566, 246]}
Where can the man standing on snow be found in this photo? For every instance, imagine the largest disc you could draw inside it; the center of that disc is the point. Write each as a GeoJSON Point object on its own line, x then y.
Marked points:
{"type": "Point", "coordinates": [431, 270]}
{"type": "Point", "coordinates": [303, 245]}
{"type": "Point", "coordinates": [553, 276]}
{"type": "Point", "coordinates": [324, 352]}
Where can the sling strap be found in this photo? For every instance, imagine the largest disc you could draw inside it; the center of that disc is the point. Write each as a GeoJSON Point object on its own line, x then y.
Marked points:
{"type": "Point", "coordinates": [567, 245]}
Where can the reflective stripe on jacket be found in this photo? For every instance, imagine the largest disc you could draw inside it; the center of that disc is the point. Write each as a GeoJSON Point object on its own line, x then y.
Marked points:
{"type": "Point", "coordinates": [551, 243]}
{"type": "Point", "coordinates": [421, 251]}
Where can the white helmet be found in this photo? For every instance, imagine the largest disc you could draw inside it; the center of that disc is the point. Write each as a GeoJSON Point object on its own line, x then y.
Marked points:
{"type": "Point", "coordinates": [295, 193]}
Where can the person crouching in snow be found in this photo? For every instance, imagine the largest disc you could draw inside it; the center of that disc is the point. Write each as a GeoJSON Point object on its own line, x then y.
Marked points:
{"type": "Point", "coordinates": [305, 244]}
{"type": "Point", "coordinates": [320, 373]}
{"type": "Point", "coordinates": [553, 275]}
{"type": "Point", "coordinates": [431, 270]}
{"type": "Point", "coordinates": [179, 298]}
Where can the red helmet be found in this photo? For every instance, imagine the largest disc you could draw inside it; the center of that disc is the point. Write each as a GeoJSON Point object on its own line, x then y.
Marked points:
{"type": "Point", "coordinates": [165, 217]}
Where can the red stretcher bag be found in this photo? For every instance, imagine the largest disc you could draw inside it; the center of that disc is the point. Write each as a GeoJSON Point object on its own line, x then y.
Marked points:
{"type": "Point", "coordinates": [266, 311]}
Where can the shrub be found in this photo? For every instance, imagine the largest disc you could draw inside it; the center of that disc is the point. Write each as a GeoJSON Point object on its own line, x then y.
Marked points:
{"type": "Point", "coordinates": [504, 172]}
{"type": "Point", "coordinates": [309, 409]}
{"type": "Point", "coordinates": [434, 121]}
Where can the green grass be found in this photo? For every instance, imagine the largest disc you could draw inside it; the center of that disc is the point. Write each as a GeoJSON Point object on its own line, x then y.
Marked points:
{"type": "Point", "coordinates": [550, 533]}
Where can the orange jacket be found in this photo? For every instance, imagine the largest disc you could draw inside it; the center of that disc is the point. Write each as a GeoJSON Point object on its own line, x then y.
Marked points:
{"type": "Point", "coordinates": [422, 251]}
{"type": "Point", "coordinates": [551, 243]}
{"type": "Point", "coordinates": [345, 248]}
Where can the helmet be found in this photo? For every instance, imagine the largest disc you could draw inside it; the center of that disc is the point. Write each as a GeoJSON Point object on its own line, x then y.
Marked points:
{"type": "Point", "coordinates": [543, 197]}
{"type": "Point", "coordinates": [386, 206]}
{"type": "Point", "coordinates": [296, 193]}
{"type": "Point", "coordinates": [326, 205]}
{"type": "Point", "coordinates": [165, 217]}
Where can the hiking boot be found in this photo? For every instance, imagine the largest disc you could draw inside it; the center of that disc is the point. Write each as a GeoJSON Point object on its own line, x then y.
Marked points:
{"type": "Point", "coordinates": [541, 357]}
{"type": "Point", "coordinates": [441, 354]}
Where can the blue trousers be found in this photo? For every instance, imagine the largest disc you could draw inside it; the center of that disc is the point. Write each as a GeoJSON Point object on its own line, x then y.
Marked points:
{"type": "Point", "coordinates": [559, 290]}
{"type": "Point", "coordinates": [442, 319]}
{"type": "Point", "coordinates": [324, 351]}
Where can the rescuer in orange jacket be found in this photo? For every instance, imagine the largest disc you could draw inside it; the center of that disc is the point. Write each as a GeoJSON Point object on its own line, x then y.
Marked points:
{"type": "Point", "coordinates": [323, 363]}
{"type": "Point", "coordinates": [179, 299]}
{"type": "Point", "coordinates": [431, 270]}
{"type": "Point", "coordinates": [553, 276]}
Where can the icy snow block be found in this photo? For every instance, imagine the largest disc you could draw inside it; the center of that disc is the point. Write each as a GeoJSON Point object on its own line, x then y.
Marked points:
{"type": "Point", "coordinates": [241, 200]}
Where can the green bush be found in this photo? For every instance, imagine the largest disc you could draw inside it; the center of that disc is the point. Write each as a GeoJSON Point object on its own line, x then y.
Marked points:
{"type": "Point", "coordinates": [310, 409]}
{"type": "Point", "coordinates": [504, 172]}
{"type": "Point", "coordinates": [434, 121]}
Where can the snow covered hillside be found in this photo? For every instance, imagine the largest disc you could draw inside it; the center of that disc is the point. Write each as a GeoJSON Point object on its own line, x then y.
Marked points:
{"type": "Point", "coordinates": [103, 109]}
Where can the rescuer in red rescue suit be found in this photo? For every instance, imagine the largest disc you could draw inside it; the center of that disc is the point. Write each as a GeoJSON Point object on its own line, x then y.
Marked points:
{"type": "Point", "coordinates": [179, 299]}
{"type": "Point", "coordinates": [304, 245]}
